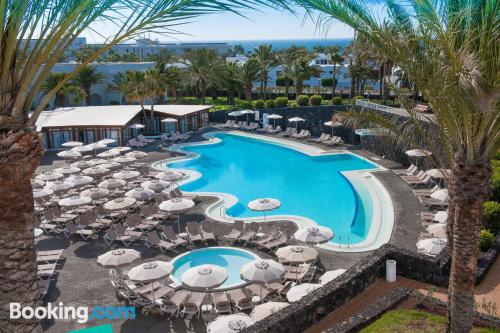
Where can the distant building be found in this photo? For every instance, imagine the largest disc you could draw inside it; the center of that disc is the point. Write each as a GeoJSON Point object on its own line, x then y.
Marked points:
{"type": "Point", "coordinates": [93, 123]}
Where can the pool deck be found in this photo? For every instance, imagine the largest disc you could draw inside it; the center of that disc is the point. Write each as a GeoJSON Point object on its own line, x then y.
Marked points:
{"type": "Point", "coordinates": [81, 281]}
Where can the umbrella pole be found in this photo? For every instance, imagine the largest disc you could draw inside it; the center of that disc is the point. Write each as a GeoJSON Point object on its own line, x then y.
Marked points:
{"type": "Point", "coordinates": [179, 223]}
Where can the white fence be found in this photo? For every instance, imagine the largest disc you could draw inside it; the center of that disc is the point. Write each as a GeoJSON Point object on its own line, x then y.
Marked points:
{"type": "Point", "coordinates": [395, 111]}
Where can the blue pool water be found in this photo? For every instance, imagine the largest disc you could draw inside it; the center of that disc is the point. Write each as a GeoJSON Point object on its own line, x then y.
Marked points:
{"type": "Point", "coordinates": [229, 258]}
{"type": "Point", "coordinates": [307, 186]}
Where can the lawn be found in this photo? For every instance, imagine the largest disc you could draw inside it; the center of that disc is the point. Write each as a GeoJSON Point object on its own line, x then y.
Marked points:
{"type": "Point", "coordinates": [413, 321]}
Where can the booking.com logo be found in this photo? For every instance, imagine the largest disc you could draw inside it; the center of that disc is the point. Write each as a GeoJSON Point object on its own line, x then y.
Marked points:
{"type": "Point", "coordinates": [80, 313]}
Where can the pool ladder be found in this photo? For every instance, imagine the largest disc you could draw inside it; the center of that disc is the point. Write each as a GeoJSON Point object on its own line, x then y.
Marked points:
{"type": "Point", "coordinates": [348, 242]}
{"type": "Point", "coordinates": [223, 212]}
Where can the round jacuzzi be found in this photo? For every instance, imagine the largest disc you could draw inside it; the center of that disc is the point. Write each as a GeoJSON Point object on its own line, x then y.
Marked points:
{"type": "Point", "coordinates": [229, 258]}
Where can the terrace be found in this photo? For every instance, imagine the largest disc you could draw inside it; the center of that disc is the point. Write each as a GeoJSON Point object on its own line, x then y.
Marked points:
{"type": "Point", "coordinates": [78, 279]}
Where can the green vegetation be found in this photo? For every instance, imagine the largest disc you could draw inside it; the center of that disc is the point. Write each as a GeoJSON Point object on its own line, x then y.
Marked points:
{"type": "Point", "coordinates": [413, 321]}
{"type": "Point", "coordinates": [270, 104]}
{"type": "Point", "coordinates": [260, 104]}
{"type": "Point", "coordinates": [303, 100]}
{"type": "Point", "coordinates": [355, 98]}
{"type": "Point", "coordinates": [486, 240]}
{"type": "Point", "coordinates": [315, 100]}
{"type": "Point", "coordinates": [336, 101]}
{"type": "Point", "coordinates": [281, 102]}
{"type": "Point", "coordinates": [495, 180]}
{"type": "Point", "coordinates": [492, 216]}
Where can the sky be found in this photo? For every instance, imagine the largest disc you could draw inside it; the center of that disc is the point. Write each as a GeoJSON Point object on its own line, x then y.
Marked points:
{"type": "Point", "coordinates": [267, 24]}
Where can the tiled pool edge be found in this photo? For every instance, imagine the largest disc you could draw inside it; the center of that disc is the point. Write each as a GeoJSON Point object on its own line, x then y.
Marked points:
{"type": "Point", "coordinates": [383, 213]}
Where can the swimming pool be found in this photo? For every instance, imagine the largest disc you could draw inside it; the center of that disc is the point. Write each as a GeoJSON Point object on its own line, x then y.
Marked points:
{"type": "Point", "coordinates": [232, 259]}
{"type": "Point", "coordinates": [312, 187]}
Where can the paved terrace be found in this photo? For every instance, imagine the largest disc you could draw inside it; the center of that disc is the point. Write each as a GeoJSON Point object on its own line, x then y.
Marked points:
{"type": "Point", "coordinates": [81, 281]}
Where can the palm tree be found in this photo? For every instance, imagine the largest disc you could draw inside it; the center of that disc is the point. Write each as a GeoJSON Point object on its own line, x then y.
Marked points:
{"type": "Point", "coordinates": [302, 69]}
{"type": "Point", "coordinates": [231, 80]}
{"type": "Point", "coordinates": [86, 78]}
{"type": "Point", "coordinates": [67, 90]}
{"type": "Point", "coordinates": [266, 57]}
{"type": "Point", "coordinates": [23, 68]}
{"type": "Point", "coordinates": [287, 59]}
{"type": "Point", "coordinates": [119, 84]}
{"type": "Point", "coordinates": [203, 67]}
{"type": "Point", "coordinates": [336, 59]}
{"type": "Point", "coordinates": [154, 85]}
{"type": "Point", "coordinates": [173, 77]}
{"type": "Point", "coordinates": [249, 73]}
{"type": "Point", "coordinates": [450, 50]}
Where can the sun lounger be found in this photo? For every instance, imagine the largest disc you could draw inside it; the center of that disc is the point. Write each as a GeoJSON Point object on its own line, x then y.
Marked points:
{"type": "Point", "coordinates": [296, 273]}
{"type": "Point", "coordinates": [142, 138]}
{"type": "Point", "coordinates": [406, 172]}
{"type": "Point", "coordinates": [135, 143]}
{"type": "Point", "coordinates": [192, 306]}
{"type": "Point", "coordinates": [272, 235]}
{"type": "Point", "coordinates": [264, 129]}
{"type": "Point", "coordinates": [426, 192]}
{"type": "Point", "coordinates": [420, 175]}
{"type": "Point", "coordinates": [221, 302]}
{"type": "Point", "coordinates": [152, 239]}
{"type": "Point", "coordinates": [46, 227]}
{"type": "Point", "coordinates": [52, 256]}
{"type": "Point", "coordinates": [172, 306]}
{"type": "Point", "coordinates": [152, 213]}
{"type": "Point", "coordinates": [169, 235]}
{"type": "Point", "coordinates": [287, 132]}
{"type": "Point", "coordinates": [71, 229]}
{"type": "Point", "coordinates": [259, 290]}
{"type": "Point", "coordinates": [46, 271]}
{"type": "Point", "coordinates": [318, 140]}
{"type": "Point", "coordinates": [275, 243]}
{"type": "Point", "coordinates": [429, 202]}
{"type": "Point", "coordinates": [240, 299]}
{"type": "Point", "coordinates": [134, 221]}
{"type": "Point", "coordinates": [277, 130]}
{"type": "Point", "coordinates": [162, 291]}
{"type": "Point", "coordinates": [304, 136]}
{"type": "Point", "coordinates": [334, 141]}
{"type": "Point", "coordinates": [193, 232]}
{"type": "Point", "coordinates": [207, 231]}
{"type": "Point", "coordinates": [423, 182]}
{"type": "Point", "coordinates": [120, 230]}
{"type": "Point", "coordinates": [236, 232]}
{"type": "Point", "coordinates": [180, 194]}
{"type": "Point", "coordinates": [250, 231]}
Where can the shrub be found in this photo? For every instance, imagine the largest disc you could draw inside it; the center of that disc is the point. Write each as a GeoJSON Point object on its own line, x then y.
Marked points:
{"type": "Point", "coordinates": [294, 104]}
{"type": "Point", "coordinates": [497, 156]}
{"type": "Point", "coordinates": [281, 102]}
{"type": "Point", "coordinates": [114, 103]}
{"type": "Point", "coordinates": [492, 215]}
{"type": "Point", "coordinates": [315, 100]}
{"type": "Point", "coordinates": [270, 104]}
{"type": "Point", "coordinates": [355, 98]}
{"type": "Point", "coordinates": [486, 240]}
{"type": "Point", "coordinates": [337, 101]}
{"type": "Point", "coordinates": [495, 181]}
{"type": "Point", "coordinates": [303, 100]}
{"type": "Point", "coordinates": [259, 104]}
{"type": "Point", "coordinates": [246, 104]}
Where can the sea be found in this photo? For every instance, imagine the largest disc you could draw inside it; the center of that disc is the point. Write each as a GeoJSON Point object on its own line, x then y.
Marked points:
{"type": "Point", "coordinates": [280, 44]}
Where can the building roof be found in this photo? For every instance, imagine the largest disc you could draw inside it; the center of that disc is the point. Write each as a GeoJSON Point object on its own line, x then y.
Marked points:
{"type": "Point", "coordinates": [108, 115]}
{"type": "Point", "coordinates": [179, 110]}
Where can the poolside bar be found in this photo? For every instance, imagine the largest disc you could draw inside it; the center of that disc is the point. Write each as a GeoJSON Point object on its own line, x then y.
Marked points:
{"type": "Point", "coordinates": [94, 123]}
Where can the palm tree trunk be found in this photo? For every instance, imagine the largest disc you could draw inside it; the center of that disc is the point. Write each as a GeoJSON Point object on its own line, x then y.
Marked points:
{"type": "Point", "coordinates": [298, 88]}
{"type": "Point", "coordinates": [469, 188]}
{"type": "Point", "coordinates": [248, 92]}
{"type": "Point", "coordinates": [144, 115]}
{"type": "Point", "coordinates": [151, 116]}
{"type": "Point", "coordinates": [20, 153]}
{"type": "Point", "coordinates": [334, 80]}
{"type": "Point", "coordinates": [287, 86]}
{"type": "Point", "coordinates": [265, 87]}
{"type": "Point", "coordinates": [88, 98]}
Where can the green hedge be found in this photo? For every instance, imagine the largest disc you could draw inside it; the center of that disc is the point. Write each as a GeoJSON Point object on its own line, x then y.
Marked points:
{"type": "Point", "coordinates": [355, 98]}
{"type": "Point", "coordinates": [303, 100]}
{"type": "Point", "coordinates": [495, 180]}
{"type": "Point", "coordinates": [246, 105]}
{"type": "Point", "coordinates": [492, 215]}
{"type": "Point", "coordinates": [327, 82]}
{"type": "Point", "coordinates": [270, 104]}
{"type": "Point", "coordinates": [486, 240]}
{"type": "Point", "coordinates": [281, 102]}
{"type": "Point", "coordinates": [259, 104]}
{"type": "Point", "coordinates": [337, 100]}
{"type": "Point", "coordinates": [315, 100]}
